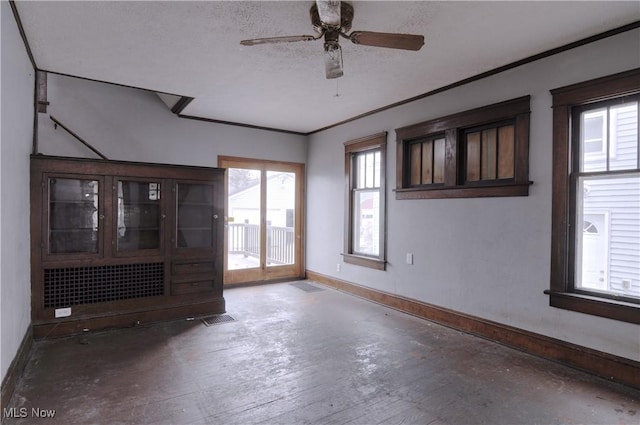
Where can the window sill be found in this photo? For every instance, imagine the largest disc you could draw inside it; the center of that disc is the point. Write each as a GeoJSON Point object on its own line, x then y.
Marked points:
{"type": "Point", "coordinates": [507, 189]}
{"type": "Point", "coordinates": [359, 260]}
{"type": "Point", "coordinates": [612, 309]}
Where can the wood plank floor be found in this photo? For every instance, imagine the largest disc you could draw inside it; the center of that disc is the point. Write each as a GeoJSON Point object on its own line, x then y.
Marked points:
{"type": "Point", "coordinates": [296, 357]}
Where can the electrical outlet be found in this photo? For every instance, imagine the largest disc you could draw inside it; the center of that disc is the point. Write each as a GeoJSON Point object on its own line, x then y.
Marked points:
{"type": "Point", "coordinates": [338, 267]}
{"type": "Point", "coordinates": [409, 258]}
{"type": "Point", "coordinates": [63, 312]}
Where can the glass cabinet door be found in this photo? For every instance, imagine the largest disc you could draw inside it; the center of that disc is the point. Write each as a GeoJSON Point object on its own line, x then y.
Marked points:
{"type": "Point", "coordinates": [194, 216]}
{"type": "Point", "coordinates": [139, 216]}
{"type": "Point", "coordinates": [74, 216]}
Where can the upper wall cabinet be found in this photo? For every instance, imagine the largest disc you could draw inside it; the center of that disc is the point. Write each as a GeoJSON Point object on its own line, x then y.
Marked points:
{"type": "Point", "coordinates": [476, 153]}
{"type": "Point", "coordinates": [118, 243]}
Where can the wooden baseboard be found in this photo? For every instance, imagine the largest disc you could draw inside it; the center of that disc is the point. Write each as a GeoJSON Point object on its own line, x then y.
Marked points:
{"type": "Point", "coordinates": [262, 282]}
{"type": "Point", "coordinates": [16, 368]}
{"type": "Point", "coordinates": [596, 362]}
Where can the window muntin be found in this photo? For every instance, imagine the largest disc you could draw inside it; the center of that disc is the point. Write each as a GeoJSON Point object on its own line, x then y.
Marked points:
{"type": "Point", "coordinates": [365, 201]}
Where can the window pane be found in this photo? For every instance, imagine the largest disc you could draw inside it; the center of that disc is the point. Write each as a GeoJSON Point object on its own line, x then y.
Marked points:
{"type": "Point", "coordinates": [376, 180]}
{"type": "Point", "coordinates": [360, 171]}
{"type": "Point", "coordinates": [243, 229]}
{"type": "Point", "coordinates": [593, 141]}
{"type": "Point", "coordinates": [281, 203]}
{"type": "Point", "coordinates": [623, 136]}
{"type": "Point", "coordinates": [489, 154]}
{"type": "Point", "coordinates": [416, 161]}
{"type": "Point", "coordinates": [506, 152]}
{"type": "Point", "coordinates": [369, 170]}
{"type": "Point", "coordinates": [438, 161]}
{"type": "Point", "coordinates": [366, 223]}
{"type": "Point", "coordinates": [427, 161]}
{"type": "Point", "coordinates": [608, 243]}
{"type": "Point", "coordinates": [473, 156]}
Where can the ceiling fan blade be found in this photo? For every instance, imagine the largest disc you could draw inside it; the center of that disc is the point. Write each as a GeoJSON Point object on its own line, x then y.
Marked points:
{"type": "Point", "coordinates": [385, 39]}
{"type": "Point", "coordinates": [329, 12]}
{"type": "Point", "coordinates": [271, 40]}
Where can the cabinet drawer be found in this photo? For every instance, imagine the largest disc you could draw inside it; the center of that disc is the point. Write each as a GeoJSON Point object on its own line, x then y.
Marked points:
{"type": "Point", "coordinates": [192, 287]}
{"type": "Point", "coordinates": [194, 267]}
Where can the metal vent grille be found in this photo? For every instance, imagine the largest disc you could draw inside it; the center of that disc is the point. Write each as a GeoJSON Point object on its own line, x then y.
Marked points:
{"type": "Point", "coordinates": [216, 320]}
{"type": "Point", "coordinates": [306, 287]}
{"type": "Point", "coordinates": [66, 287]}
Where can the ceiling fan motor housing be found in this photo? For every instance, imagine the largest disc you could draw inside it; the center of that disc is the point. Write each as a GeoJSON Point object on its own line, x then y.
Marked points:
{"type": "Point", "coordinates": [346, 18]}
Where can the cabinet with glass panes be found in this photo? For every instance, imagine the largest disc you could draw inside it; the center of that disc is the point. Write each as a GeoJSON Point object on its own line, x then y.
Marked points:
{"type": "Point", "coordinates": [73, 215]}
{"type": "Point", "coordinates": [120, 243]}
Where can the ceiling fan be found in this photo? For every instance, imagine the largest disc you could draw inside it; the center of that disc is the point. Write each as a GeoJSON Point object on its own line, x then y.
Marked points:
{"type": "Point", "coordinates": [332, 19]}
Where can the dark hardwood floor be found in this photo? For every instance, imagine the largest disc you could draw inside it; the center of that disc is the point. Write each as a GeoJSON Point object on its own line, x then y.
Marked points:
{"type": "Point", "coordinates": [294, 357]}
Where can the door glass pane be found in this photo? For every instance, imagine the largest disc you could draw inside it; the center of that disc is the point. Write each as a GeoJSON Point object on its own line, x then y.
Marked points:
{"type": "Point", "coordinates": [243, 222]}
{"type": "Point", "coordinates": [195, 216]}
{"type": "Point", "coordinates": [138, 215]}
{"type": "Point", "coordinates": [281, 203]}
{"type": "Point", "coordinates": [366, 226]}
{"type": "Point", "coordinates": [608, 234]}
{"type": "Point", "coordinates": [73, 215]}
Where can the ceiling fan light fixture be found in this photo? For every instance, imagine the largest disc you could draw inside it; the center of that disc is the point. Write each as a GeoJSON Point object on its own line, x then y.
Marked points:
{"type": "Point", "coordinates": [333, 60]}
{"type": "Point", "coordinates": [329, 11]}
{"type": "Point", "coordinates": [332, 19]}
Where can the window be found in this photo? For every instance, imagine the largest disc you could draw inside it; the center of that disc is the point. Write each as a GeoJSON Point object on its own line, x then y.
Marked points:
{"type": "Point", "coordinates": [595, 264]}
{"type": "Point", "coordinates": [480, 152]}
{"type": "Point", "coordinates": [427, 161]}
{"type": "Point", "coordinates": [365, 220]}
{"type": "Point", "coordinates": [489, 153]}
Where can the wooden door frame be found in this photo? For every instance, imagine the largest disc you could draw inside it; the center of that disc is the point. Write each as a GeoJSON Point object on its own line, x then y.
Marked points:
{"type": "Point", "coordinates": [268, 273]}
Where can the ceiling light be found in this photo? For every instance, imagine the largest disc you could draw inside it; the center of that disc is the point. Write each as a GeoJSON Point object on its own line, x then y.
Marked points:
{"type": "Point", "coordinates": [333, 60]}
{"type": "Point", "coordinates": [329, 12]}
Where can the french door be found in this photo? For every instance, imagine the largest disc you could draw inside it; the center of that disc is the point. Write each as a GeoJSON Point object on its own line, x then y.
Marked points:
{"type": "Point", "coordinates": [264, 220]}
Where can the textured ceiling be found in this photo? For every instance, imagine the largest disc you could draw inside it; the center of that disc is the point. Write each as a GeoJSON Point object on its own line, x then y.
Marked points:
{"type": "Point", "coordinates": [193, 49]}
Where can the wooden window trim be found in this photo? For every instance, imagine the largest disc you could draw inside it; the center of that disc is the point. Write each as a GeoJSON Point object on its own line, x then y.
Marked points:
{"type": "Point", "coordinates": [517, 109]}
{"type": "Point", "coordinates": [561, 294]}
{"type": "Point", "coordinates": [376, 141]}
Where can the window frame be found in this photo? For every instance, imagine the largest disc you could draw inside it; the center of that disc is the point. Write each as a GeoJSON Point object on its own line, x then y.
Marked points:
{"type": "Point", "coordinates": [562, 293]}
{"type": "Point", "coordinates": [375, 142]}
{"type": "Point", "coordinates": [454, 127]}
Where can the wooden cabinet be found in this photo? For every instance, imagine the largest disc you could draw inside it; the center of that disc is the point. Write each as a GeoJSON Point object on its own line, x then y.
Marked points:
{"type": "Point", "coordinates": [123, 244]}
